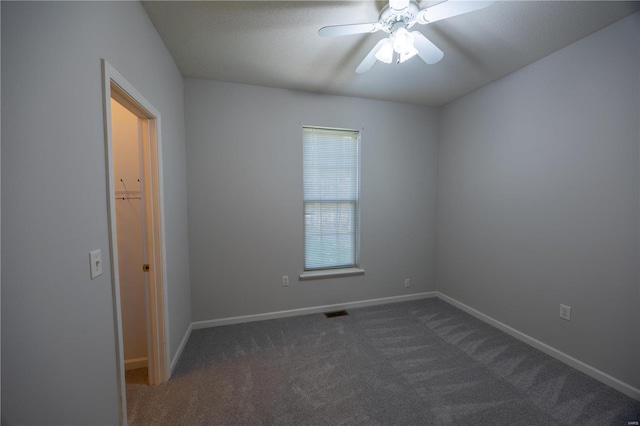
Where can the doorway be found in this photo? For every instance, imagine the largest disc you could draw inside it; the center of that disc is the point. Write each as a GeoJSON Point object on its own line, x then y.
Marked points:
{"type": "Point", "coordinates": [144, 195]}
{"type": "Point", "coordinates": [126, 144]}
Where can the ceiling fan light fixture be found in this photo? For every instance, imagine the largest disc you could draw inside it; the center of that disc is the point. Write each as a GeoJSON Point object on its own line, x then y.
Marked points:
{"type": "Point", "coordinates": [410, 54]}
{"type": "Point", "coordinates": [385, 53]}
{"type": "Point", "coordinates": [403, 42]}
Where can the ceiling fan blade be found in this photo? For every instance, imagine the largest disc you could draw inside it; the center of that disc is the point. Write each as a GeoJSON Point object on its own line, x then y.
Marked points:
{"type": "Point", "coordinates": [370, 59]}
{"type": "Point", "coordinates": [340, 30]}
{"type": "Point", "coordinates": [450, 8]}
{"type": "Point", "coordinates": [427, 51]}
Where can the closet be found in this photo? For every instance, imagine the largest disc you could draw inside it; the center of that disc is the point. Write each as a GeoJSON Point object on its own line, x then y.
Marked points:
{"type": "Point", "coordinates": [126, 146]}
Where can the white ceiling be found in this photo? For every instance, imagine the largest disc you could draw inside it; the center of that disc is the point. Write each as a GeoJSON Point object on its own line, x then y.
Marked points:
{"type": "Point", "coordinates": [276, 44]}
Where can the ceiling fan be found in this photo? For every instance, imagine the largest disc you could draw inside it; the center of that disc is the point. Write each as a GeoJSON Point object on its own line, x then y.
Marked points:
{"type": "Point", "coordinates": [396, 19]}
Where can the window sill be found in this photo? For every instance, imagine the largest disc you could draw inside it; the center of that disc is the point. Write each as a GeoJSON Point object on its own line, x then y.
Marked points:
{"type": "Point", "coordinates": [331, 273]}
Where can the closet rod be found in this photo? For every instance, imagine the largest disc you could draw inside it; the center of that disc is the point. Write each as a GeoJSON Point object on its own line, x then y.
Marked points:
{"type": "Point", "coordinates": [125, 195]}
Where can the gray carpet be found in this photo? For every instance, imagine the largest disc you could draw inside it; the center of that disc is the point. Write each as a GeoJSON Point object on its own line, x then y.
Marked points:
{"type": "Point", "coordinates": [423, 362]}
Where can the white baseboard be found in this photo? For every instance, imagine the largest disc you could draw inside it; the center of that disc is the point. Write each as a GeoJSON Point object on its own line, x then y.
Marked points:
{"type": "Point", "coordinates": [132, 364]}
{"type": "Point", "coordinates": [311, 310]}
{"type": "Point", "coordinates": [543, 347]}
{"type": "Point", "coordinates": [176, 357]}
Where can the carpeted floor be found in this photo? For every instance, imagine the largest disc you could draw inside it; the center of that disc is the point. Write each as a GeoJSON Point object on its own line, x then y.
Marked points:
{"type": "Point", "coordinates": [423, 362]}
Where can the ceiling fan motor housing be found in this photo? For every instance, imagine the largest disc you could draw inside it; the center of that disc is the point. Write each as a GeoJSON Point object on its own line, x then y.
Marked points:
{"type": "Point", "coordinates": [392, 19]}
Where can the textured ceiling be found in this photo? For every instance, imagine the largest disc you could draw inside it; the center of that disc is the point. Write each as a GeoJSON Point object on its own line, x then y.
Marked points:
{"type": "Point", "coordinates": [276, 44]}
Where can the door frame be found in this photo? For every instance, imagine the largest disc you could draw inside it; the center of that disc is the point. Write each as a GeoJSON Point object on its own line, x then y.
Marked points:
{"type": "Point", "coordinates": [116, 87]}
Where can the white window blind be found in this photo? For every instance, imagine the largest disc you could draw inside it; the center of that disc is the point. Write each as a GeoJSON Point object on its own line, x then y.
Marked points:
{"type": "Point", "coordinates": [331, 192]}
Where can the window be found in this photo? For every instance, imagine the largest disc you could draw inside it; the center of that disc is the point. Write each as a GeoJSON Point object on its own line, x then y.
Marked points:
{"type": "Point", "coordinates": [331, 191]}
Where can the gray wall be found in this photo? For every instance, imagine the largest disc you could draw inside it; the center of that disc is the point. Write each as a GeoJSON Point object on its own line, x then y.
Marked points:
{"type": "Point", "coordinates": [538, 200]}
{"type": "Point", "coordinates": [58, 340]}
{"type": "Point", "coordinates": [244, 153]}
{"type": "Point", "coordinates": [0, 218]}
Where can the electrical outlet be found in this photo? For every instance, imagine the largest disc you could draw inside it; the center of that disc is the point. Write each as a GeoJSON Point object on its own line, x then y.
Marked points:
{"type": "Point", "coordinates": [565, 312]}
{"type": "Point", "coordinates": [406, 282]}
{"type": "Point", "coordinates": [285, 281]}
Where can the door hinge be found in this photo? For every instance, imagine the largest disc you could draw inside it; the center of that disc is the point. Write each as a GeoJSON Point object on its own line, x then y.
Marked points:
{"type": "Point", "coordinates": [145, 267]}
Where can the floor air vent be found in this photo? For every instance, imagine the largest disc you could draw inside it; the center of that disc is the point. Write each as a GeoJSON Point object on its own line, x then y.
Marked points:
{"type": "Point", "coordinates": [341, 313]}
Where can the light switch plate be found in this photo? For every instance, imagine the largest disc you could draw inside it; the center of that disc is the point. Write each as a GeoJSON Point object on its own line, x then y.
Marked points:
{"type": "Point", "coordinates": [95, 257]}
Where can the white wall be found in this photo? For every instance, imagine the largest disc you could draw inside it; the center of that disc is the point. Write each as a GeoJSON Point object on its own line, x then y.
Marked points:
{"type": "Point", "coordinates": [58, 340]}
{"type": "Point", "coordinates": [539, 200]}
{"type": "Point", "coordinates": [126, 166]}
{"type": "Point", "coordinates": [244, 150]}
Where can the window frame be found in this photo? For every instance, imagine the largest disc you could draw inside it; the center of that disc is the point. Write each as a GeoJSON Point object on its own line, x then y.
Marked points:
{"type": "Point", "coordinates": [344, 270]}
